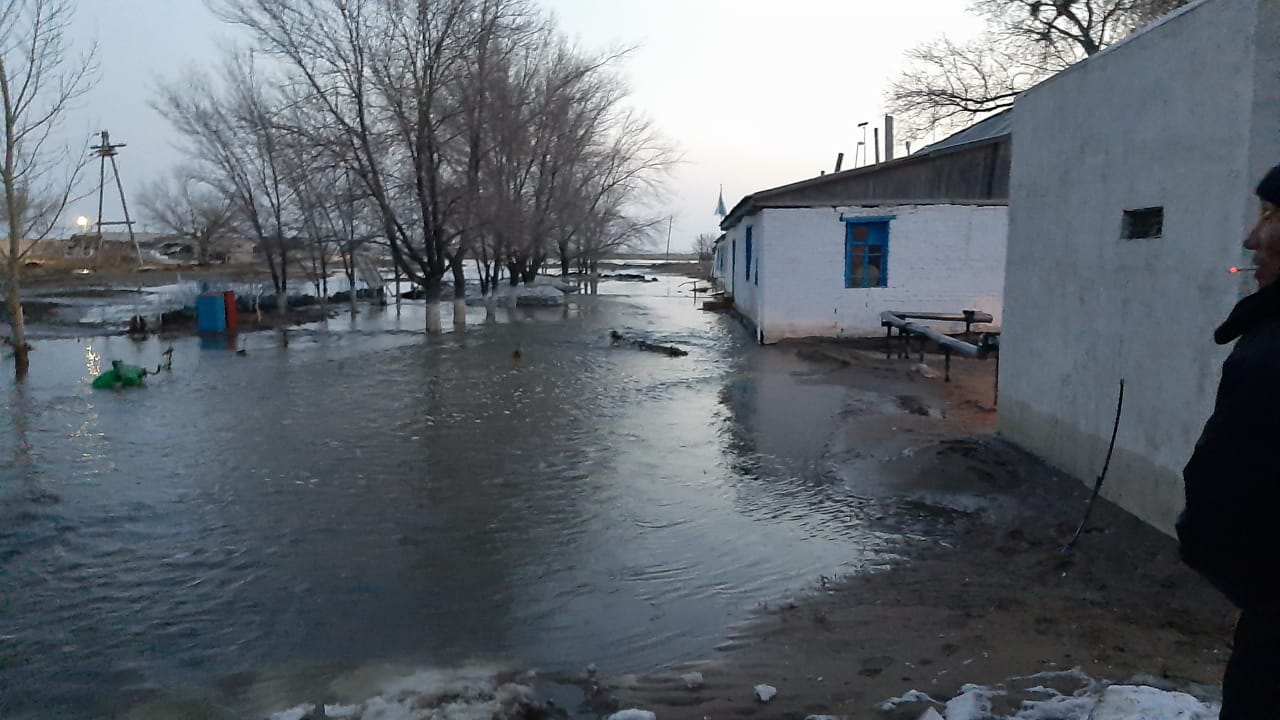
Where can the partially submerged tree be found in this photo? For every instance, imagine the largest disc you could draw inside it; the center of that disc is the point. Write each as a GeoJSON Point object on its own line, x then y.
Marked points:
{"type": "Point", "coordinates": [946, 84]}
{"type": "Point", "coordinates": [39, 79]}
{"type": "Point", "coordinates": [230, 122]}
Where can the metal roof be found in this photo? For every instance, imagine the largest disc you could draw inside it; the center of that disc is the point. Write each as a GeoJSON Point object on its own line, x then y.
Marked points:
{"type": "Point", "coordinates": [994, 130]}
{"type": "Point", "coordinates": [994, 126]}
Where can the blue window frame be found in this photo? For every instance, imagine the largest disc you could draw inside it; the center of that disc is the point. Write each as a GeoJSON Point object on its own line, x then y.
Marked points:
{"type": "Point", "coordinates": [747, 256]}
{"type": "Point", "coordinates": [866, 252]}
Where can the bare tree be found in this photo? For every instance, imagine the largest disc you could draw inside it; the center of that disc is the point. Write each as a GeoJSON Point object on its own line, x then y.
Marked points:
{"type": "Point", "coordinates": [230, 123]}
{"type": "Point", "coordinates": [946, 84]}
{"type": "Point", "coordinates": [705, 246]}
{"type": "Point", "coordinates": [190, 208]}
{"type": "Point", "coordinates": [39, 80]}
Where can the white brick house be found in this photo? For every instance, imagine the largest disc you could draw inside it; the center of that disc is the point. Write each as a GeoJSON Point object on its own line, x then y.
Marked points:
{"type": "Point", "coordinates": [825, 256]}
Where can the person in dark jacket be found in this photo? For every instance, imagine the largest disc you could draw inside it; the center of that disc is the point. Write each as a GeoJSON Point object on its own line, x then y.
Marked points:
{"type": "Point", "coordinates": [1229, 531]}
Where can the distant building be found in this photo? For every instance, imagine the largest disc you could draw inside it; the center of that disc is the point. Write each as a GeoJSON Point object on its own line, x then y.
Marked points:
{"type": "Point", "coordinates": [825, 256]}
{"type": "Point", "coordinates": [1131, 193]}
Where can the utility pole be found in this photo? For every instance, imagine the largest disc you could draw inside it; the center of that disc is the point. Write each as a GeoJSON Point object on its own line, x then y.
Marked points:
{"type": "Point", "coordinates": [106, 151]}
{"type": "Point", "coordinates": [670, 219]}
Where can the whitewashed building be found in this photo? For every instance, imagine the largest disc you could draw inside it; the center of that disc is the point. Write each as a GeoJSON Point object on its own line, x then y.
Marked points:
{"type": "Point", "coordinates": [1132, 189]}
{"type": "Point", "coordinates": [825, 256]}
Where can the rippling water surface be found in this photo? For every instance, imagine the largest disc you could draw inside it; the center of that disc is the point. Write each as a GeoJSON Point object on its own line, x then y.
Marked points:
{"type": "Point", "coordinates": [369, 495]}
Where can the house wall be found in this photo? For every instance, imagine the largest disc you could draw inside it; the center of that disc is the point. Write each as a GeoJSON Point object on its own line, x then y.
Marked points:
{"type": "Point", "coordinates": [942, 258]}
{"type": "Point", "coordinates": [745, 290]}
{"type": "Point", "coordinates": [1183, 116]}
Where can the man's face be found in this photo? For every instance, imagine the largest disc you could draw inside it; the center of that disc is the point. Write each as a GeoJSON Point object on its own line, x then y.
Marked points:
{"type": "Point", "coordinates": [1264, 241]}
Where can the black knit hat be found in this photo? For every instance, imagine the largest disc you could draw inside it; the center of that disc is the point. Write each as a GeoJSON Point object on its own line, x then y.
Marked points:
{"type": "Point", "coordinates": [1269, 188]}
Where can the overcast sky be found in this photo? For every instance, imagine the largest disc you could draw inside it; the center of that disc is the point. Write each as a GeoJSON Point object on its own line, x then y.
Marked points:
{"type": "Point", "coordinates": [753, 93]}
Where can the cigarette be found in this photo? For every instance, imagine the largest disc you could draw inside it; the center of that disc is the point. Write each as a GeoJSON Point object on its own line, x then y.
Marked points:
{"type": "Point", "coordinates": [1234, 269]}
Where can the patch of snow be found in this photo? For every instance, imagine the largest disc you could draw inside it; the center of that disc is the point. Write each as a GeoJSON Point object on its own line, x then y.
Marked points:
{"type": "Point", "coordinates": [926, 372]}
{"type": "Point", "coordinates": [1042, 690]}
{"type": "Point", "coordinates": [1060, 707]}
{"type": "Point", "coordinates": [633, 714]}
{"type": "Point", "coordinates": [468, 693]}
{"type": "Point", "coordinates": [1134, 702]}
{"type": "Point", "coordinates": [1091, 700]}
{"type": "Point", "coordinates": [973, 703]}
{"type": "Point", "coordinates": [766, 692]}
{"type": "Point", "coordinates": [909, 697]}
{"type": "Point", "coordinates": [692, 680]}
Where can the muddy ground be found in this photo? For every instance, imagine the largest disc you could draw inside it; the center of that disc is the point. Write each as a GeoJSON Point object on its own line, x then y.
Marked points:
{"type": "Point", "coordinates": [987, 596]}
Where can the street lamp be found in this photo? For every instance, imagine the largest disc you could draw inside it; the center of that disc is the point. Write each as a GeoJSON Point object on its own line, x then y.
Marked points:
{"type": "Point", "coordinates": [83, 223]}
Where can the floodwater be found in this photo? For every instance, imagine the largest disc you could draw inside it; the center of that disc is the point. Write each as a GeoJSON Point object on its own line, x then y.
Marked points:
{"type": "Point", "coordinates": [369, 495]}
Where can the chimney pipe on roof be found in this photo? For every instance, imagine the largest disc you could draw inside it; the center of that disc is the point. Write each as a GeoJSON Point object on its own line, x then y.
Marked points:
{"type": "Point", "coordinates": [877, 143]}
{"type": "Point", "coordinates": [888, 137]}
{"type": "Point", "coordinates": [839, 161]}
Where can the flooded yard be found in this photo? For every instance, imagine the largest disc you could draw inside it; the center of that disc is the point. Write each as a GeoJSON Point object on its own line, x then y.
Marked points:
{"type": "Point", "coordinates": [371, 496]}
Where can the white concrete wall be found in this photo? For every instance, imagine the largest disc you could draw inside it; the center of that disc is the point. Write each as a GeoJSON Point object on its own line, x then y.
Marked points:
{"type": "Point", "coordinates": [942, 258]}
{"type": "Point", "coordinates": [747, 295]}
{"type": "Point", "coordinates": [1182, 116]}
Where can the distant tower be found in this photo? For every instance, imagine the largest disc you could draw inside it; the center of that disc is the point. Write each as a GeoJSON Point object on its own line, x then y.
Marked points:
{"type": "Point", "coordinates": [720, 204]}
{"type": "Point", "coordinates": [106, 151]}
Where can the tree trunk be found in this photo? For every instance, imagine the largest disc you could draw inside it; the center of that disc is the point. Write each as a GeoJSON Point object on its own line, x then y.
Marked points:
{"type": "Point", "coordinates": [490, 306]}
{"type": "Point", "coordinates": [434, 325]}
{"type": "Point", "coordinates": [349, 269]}
{"type": "Point", "coordinates": [324, 275]}
{"type": "Point", "coordinates": [397, 287]}
{"type": "Point", "coordinates": [282, 292]}
{"type": "Point", "coordinates": [459, 294]}
{"type": "Point", "coordinates": [18, 334]}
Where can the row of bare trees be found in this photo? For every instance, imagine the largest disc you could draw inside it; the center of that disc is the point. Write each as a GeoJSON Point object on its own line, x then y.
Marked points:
{"type": "Point", "coordinates": [450, 132]}
{"type": "Point", "coordinates": [946, 84]}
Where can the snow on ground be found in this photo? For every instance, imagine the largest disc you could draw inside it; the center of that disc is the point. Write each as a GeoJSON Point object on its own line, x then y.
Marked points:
{"type": "Point", "coordinates": [469, 693]}
{"type": "Point", "coordinates": [1058, 696]}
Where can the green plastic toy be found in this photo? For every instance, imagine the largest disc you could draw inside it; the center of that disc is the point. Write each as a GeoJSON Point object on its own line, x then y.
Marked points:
{"type": "Point", "coordinates": [120, 375]}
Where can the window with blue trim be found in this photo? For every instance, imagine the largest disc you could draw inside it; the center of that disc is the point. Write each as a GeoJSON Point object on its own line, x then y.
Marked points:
{"type": "Point", "coordinates": [866, 252]}
{"type": "Point", "coordinates": [747, 256]}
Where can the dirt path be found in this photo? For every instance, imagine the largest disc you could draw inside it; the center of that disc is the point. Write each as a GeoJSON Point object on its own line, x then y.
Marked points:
{"type": "Point", "coordinates": [982, 595]}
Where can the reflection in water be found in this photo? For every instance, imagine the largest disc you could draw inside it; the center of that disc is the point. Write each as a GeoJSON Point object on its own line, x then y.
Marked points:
{"type": "Point", "coordinates": [370, 495]}
{"type": "Point", "coordinates": [93, 361]}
